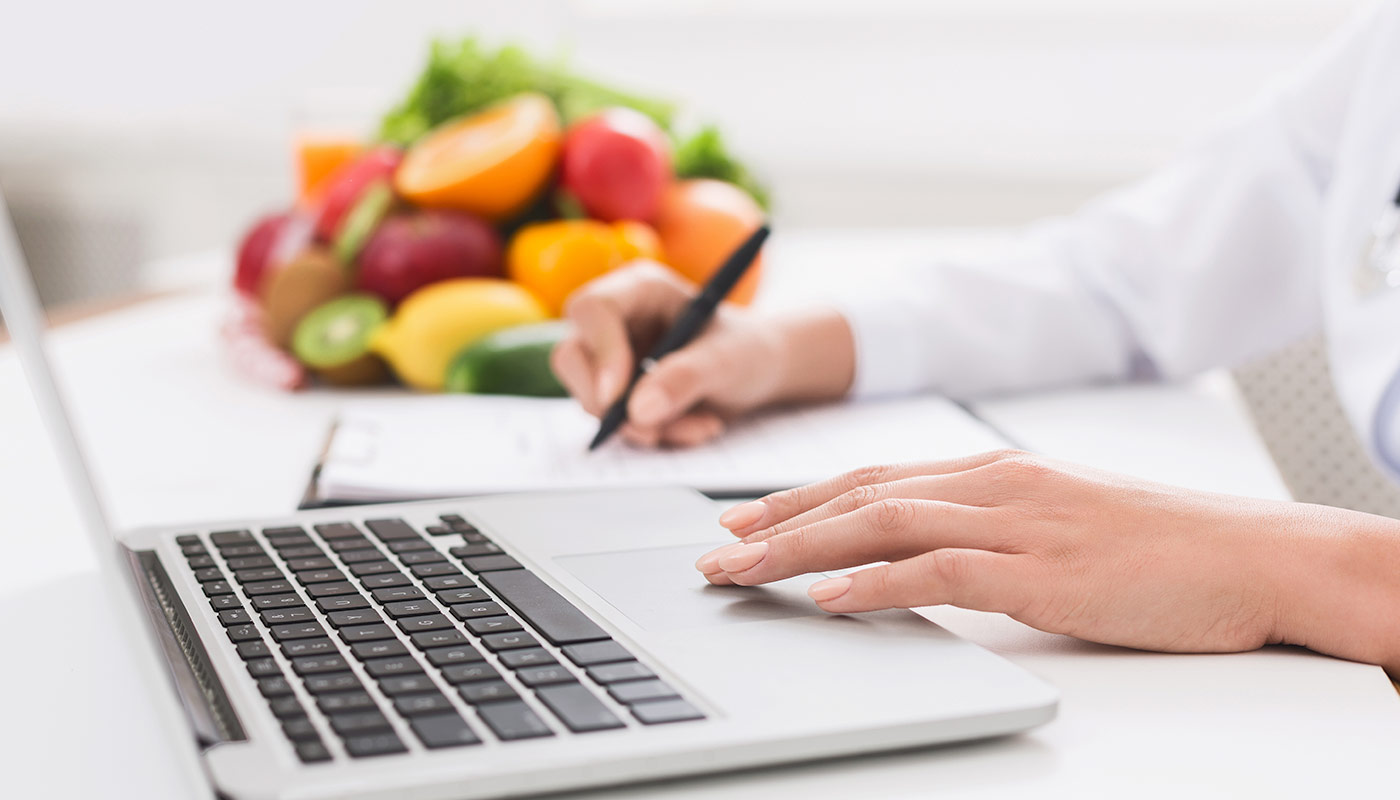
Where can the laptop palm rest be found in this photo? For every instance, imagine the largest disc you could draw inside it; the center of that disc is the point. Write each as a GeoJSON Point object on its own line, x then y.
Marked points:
{"type": "Point", "coordinates": [659, 590]}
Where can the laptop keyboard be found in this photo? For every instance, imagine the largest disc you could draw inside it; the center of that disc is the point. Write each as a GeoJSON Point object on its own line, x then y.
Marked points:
{"type": "Point", "coordinates": [387, 636]}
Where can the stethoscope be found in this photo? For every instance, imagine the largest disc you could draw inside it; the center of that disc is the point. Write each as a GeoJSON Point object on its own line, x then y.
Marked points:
{"type": "Point", "coordinates": [1378, 272]}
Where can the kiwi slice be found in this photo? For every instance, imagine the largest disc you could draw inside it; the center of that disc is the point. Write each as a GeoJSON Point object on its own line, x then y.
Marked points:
{"type": "Point", "coordinates": [374, 204]}
{"type": "Point", "coordinates": [337, 333]}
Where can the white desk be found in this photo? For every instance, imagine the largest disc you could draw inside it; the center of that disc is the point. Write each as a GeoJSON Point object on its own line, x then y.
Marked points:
{"type": "Point", "coordinates": [177, 436]}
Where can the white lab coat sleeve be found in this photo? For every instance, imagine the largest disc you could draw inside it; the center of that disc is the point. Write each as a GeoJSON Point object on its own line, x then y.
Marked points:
{"type": "Point", "coordinates": [1209, 261]}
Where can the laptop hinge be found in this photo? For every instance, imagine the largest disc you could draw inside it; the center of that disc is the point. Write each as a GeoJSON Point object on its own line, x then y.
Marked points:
{"type": "Point", "coordinates": [201, 693]}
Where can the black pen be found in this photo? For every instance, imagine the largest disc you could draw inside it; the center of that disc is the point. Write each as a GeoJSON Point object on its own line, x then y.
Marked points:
{"type": "Point", "coordinates": [690, 323]}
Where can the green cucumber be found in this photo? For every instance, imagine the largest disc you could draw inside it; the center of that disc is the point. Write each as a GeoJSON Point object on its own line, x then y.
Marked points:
{"type": "Point", "coordinates": [512, 360]}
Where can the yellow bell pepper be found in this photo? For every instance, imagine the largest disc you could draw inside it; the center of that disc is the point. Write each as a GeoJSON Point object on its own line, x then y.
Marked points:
{"type": "Point", "coordinates": [552, 259]}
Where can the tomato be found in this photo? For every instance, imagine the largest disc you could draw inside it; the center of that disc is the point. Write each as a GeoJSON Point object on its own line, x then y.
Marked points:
{"type": "Point", "coordinates": [700, 223]}
{"type": "Point", "coordinates": [617, 164]}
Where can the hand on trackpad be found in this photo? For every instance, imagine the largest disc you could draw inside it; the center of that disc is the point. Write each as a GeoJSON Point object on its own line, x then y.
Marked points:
{"type": "Point", "coordinates": [659, 589]}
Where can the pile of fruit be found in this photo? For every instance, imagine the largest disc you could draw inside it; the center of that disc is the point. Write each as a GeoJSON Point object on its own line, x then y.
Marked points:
{"type": "Point", "coordinates": [439, 252]}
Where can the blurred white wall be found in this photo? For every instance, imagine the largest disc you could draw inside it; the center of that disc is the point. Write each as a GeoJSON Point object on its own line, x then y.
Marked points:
{"type": "Point", "coordinates": [148, 128]}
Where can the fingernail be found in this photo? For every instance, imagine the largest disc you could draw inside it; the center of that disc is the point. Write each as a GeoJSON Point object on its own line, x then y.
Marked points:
{"type": "Point", "coordinates": [743, 515]}
{"type": "Point", "coordinates": [710, 561]}
{"type": "Point", "coordinates": [829, 589]}
{"type": "Point", "coordinates": [648, 405]}
{"type": "Point", "coordinates": [743, 556]}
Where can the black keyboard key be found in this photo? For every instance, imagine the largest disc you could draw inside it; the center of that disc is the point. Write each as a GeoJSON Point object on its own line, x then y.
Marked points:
{"type": "Point", "coordinates": [389, 529]}
{"type": "Point", "coordinates": [470, 610]}
{"type": "Point", "coordinates": [208, 574]}
{"type": "Point", "coordinates": [214, 588]}
{"type": "Point", "coordinates": [339, 702]}
{"type": "Point", "coordinates": [285, 707]}
{"type": "Point", "coordinates": [411, 705]}
{"type": "Point", "coordinates": [435, 570]}
{"type": "Point", "coordinates": [455, 596]}
{"type": "Point", "coordinates": [472, 550]}
{"type": "Point", "coordinates": [243, 633]}
{"type": "Point", "coordinates": [558, 620]}
{"type": "Point", "coordinates": [319, 576]}
{"type": "Point", "coordinates": [249, 562]}
{"type": "Point", "coordinates": [515, 720]}
{"type": "Point", "coordinates": [284, 543]}
{"type": "Point", "coordinates": [253, 649]}
{"type": "Point", "coordinates": [374, 744]}
{"type": "Point", "coordinates": [385, 580]}
{"type": "Point", "coordinates": [234, 616]}
{"type": "Point", "coordinates": [330, 589]}
{"type": "Point", "coordinates": [200, 562]}
{"type": "Point", "coordinates": [663, 711]}
{"type": "Point", "coordinates": [543, 676]}
{"type": "Point", "coordinates": [361, 556]}
{"type": "Point", "coordinates": [186, 539]}
{"type": "Point", "coordinates": [286, 616]}
{"type": "Point", "coordinates": [357, 543]}
{"type": "Point", "coordinates": [342, 602]}
{"type": "Point", "coordinates": [439, 530]}
{"type": "Point", "coordinates": [312, 752]}
{"type": "Point", "coordinates": [300, 564]}
{"type": "Point", "coordinates": [579, 710]}
{"type": "Point", "coordinates": [431, 622]}
{"type": "Point", "coordinates": [368, 568]}
{"type": "Point", "coordinates": [308, 647]}
{"type": "Point", "coordinates": [590, 653]}
{"type": "Point", "coordinates": [441, 638]}
{"type": "Point", "coordinates": [641, 691]}
{"type": "Point", "coordinates": [488, 564]}
{"type": "Point", "coordinates": [226, 538]}
{"type": "Point", "coordinates": [408, 546]}
{"type": "Point", "coordinates": [621, 671]}
{"type": "Point", "coordinates": [262, 667]}
{"type": "Point", "coordinates": [422, 557]}
{"type": "Point", "coordinates": [393, 594]}
{"type": "Point", "coordinates": [269, 601]}
{"type": "Point", "coordinates": [366, 633]}
{"type": "Point", "coordinates": [396, 665]}
{"type": "Point", "coordinates": [354, 616]}
{"type": "Point", "coordinates": [194, 550]}
{"type": "Point", "coordinates": [453, 519]}
{"type": "Point", "coordinates": [486, 692]}
{"type": "Point", "coordinates": [304, 551]}
{"type": "Point", "coordinates": [497, 642]}
{"type": "Point", "coordinates": [378, 649]}
{"type": "Point", "coordinates": [318, 665]}
{"type": "Point", "coordinates": [300, 729]}
{"type": "Point", "coordinates": [298, 630]}
{"type": "Point", "coordinates": [410, 608]}
{"type": "Point", "coordinates": [242, 550]}
{"type": "Point", "coordinates": [454, 581]}
{"type": "Point", "coordinates": [332, 682]}
{"type": "Point", "coordinates": [484, 625]}
{"type": "Point", "coordinates": [443, 730]}
{"type": "Point", "coordinates": [530, 657]}
{"type": "Point", "coordinates": [473, 536]}
{"type": "Point", "coordinates": [284, 530]}
{"type": "Point", "coordinates": [260, 574]}
{"type": "Point", "coordinates": [274, 687]}
{"type": "Point", "coordinates": [467, 673]}
{"type": "Point", "coordinates": [406, 684]}
{"type": "Point", "coordinates": [268, 587]}
{"type": "Point", "coordinates": [460, 654]}
{"type": "Point", "coordinates": [355, 722]}
{"type": "Point", "coordinates": [337, 530]}
{"type": "Point", "coordinates": [224, 602]}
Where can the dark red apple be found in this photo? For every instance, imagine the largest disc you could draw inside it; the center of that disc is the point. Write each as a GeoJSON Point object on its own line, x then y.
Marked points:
{"type": "Point", "coordinates": [256, 251]}
{"type": "Point", "coordinates": [409, 251]}
{"type": "Point", "coordinates": [616, 164]}
{"type": "Point", "coordinates": [346, 184]}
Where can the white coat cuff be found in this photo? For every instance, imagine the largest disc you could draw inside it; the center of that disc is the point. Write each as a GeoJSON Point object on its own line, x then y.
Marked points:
{"type": "Point", "coordinates": [888, 350]}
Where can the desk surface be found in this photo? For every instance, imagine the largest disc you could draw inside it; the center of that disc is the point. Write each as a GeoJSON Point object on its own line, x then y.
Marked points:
{"type": "Point", "coordinates": [176, 436]}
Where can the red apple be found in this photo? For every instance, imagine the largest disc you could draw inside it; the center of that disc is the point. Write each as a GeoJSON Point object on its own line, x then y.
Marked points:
{"type": "Point", "coordinates": [256, 252]}
{"type": "Point", "coordinates": [409, 251]}
{"type": "Point", "coordinates": [344, 187]}
{"type": "Point", "coordinates": [616, 164]}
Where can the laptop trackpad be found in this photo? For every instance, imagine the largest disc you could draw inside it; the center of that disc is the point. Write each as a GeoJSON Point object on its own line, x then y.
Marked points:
{"type": "Point", "coordinates": [659, 589]}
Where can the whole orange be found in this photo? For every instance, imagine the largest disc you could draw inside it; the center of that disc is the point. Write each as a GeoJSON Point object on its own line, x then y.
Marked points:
{"type": "Point", "coordinates": [700, 223]}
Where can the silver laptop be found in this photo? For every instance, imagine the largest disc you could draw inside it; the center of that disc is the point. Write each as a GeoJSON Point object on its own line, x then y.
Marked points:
{"type": "Point", "coordinates": [499, 646]}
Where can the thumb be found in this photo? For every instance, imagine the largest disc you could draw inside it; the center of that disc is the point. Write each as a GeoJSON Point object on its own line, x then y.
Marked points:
{"type": "Point", "coordinates": [981, 580]}
{"type": "Point", "coordinates": [674, 384]}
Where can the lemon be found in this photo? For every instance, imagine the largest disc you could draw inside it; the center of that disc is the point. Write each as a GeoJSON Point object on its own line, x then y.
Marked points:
{"type": "Point", "coordinates": [434, 323]}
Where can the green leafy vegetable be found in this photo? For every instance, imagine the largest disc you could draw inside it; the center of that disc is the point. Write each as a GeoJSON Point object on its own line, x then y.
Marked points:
{"type": "Point", "coordinates": [704, 155]}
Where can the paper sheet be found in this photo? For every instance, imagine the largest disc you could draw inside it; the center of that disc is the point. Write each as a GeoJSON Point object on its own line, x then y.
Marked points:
{"type": "Point", "coordinates": [419, 447]}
